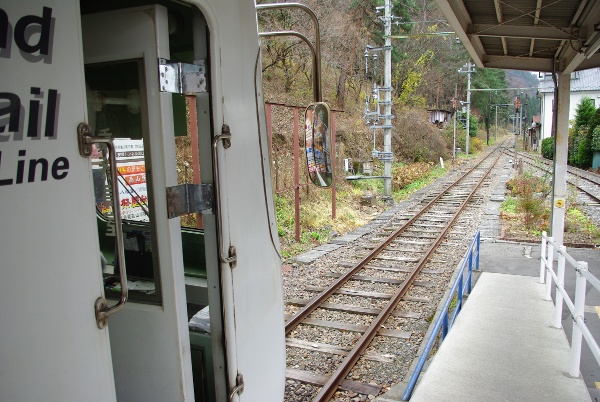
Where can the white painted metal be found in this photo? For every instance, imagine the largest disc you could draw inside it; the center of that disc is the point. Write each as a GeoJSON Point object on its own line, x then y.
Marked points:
{"type": "Point", "coordinates": [50, 346]}
{"type": "Point", "coordinates": [560, 283]}
{"type": "Point", "coordinates": [543, 258]}
{"type": "Point", "coordinates": [150, 344]}
{"type": "Point", "coordinates": [576, 337]}
{"type": "Point", "coordinates": [561, 145]}
{"type": "Point", "coordinates": [387, 131]}
{"type": "Point", "coordinates": [550, 270]}
{"type": "Point", "coordinates": [50, 273]}
{"type": "Point", "coordinates": [252, 291]}
{"type": "Point", "coordinates": [576, 308]}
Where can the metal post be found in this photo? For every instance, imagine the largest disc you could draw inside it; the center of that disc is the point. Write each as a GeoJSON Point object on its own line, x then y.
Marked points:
{"type": "Point", "coordinates": [521, 116]}
{"type": "Point", "coordinates": [460, 292]}
{"type": "Point", "coordinates": [516, 133]}
{"type": "Point", "coordinates": [468, 105]}
{"type": "Point", "coordinates": [559, 177]}
{"type": "Point", "coordinates": [478, 249]}
{"type": "Point", "coordinates": [548, 295]}
{"type": "Point", "coordinates": [296, 175]}
{"type": "Point", "coordinates": [578, 314]}
{"type": "Point", "coordinates": [454, 136]}
{"type": "Point", "coordinates": [543, 257]}
{"type": "Point", "coordinates": [333, 166]}
{"type": "Point", "coordinates": [496, 130]}
{"type": "Point", "coordinates": [560, 281]}
{"type": "Point", "coordinates": [488, 123]}
{"type": "Point", "coordinates": [445, 324]}
{"type": "Point", "coordinates": [470, 276]}
{"type": "Point", "coordinates": [387, 131]}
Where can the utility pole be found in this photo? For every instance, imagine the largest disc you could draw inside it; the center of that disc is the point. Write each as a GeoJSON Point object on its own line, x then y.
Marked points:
{"type": "Point", "coordinates": [454, 105]}
{"type": "Point", "coordinates": [496, 129]}
{"type": "Point", "coordinates": [387, 109]}
{"type": "Point", "coordinates": [385, 100]}
{"type": "Point", "coordinates": [468, 71]}
{"type": "Point", "coordinates": [488, 122]}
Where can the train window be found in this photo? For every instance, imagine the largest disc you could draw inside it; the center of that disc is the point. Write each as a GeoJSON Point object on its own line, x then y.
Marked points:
{"type": "Point", "coordinates": [117, 109]}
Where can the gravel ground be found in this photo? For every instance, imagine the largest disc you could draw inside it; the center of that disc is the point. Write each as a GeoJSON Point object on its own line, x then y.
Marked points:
{"type": "Point", "coordinates": [399, 353]}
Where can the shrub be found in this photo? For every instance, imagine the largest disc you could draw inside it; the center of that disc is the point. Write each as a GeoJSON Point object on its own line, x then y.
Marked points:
{"type": "Point", "coordinates": [477, 144]}
{"type": "Point", "coordinates": [473, 126]}
{"type": "Point", "coordinates": [405, 175]}
{"type": "Point", "coordinates": [584, 154]}
{"type": "Point", "coordinates": [530, 193]}
{"type": "Point", "coordinates": [548, 148]}
{"type": "Point", "coordinates": [596, 139]}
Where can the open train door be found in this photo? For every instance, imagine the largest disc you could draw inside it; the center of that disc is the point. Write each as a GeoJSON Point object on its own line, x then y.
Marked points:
{"type": "Point", "coordinates": [149, 337]}
{"type": "Point", "coordinates": [50, 346]}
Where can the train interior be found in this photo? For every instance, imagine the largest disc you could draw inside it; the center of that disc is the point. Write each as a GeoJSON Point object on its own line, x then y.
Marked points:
{"type": "Point", "coordinates": [118, 106]}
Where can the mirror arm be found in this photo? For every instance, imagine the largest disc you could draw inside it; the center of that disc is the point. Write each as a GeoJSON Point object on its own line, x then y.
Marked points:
{"type": "Point", "coordinates": [318, 94]}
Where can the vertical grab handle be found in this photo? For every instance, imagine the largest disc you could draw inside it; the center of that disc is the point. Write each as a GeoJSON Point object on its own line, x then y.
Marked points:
{"type": "Point", "coordinates": [225, 136]}
{"type": "Point", "coordinates": [85, 140]}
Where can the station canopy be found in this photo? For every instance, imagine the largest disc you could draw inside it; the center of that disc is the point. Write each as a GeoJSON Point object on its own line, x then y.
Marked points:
{"type": "Point", "coordinates": [528, 34]}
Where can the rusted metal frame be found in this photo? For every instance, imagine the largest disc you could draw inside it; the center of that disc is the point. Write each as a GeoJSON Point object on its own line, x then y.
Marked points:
{"type": "Point", "coordinates": [350, 360]}
{"type": "Point", "coordinates": [313, 304]}
{"type": "Point", "coordinates": [296, 175]}
{"type": "Point", "coordinates": [333, 203]}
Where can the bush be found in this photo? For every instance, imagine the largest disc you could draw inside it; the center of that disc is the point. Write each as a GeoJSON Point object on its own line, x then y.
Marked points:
{"type": "Point", "coordinates": [473, 126]}
{"type": "Point", "coordinates": [477, 144]}
{"type": "Point", "coordinates": [405, 175]}
{"type": "Point", "coordinates": [548, 148]}
{"type": "Point", "coordinates": [596, 139]}
{"type": "Point", "coordinates": [530, 193]}
{"type": "Point", "coordinates": [584, 154]}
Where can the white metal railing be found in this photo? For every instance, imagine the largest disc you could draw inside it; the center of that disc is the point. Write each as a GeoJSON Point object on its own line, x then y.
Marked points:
{"type": "Point", "coordinates": [583, 275]}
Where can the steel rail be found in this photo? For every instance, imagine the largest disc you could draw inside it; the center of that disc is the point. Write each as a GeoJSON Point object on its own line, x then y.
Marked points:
{"type": "Point", "coordinates": [314, 303]}
{"type": "Point", "coordinates": [570, 169]}
{"type": "Point", "coordinates": [528, 160]}
{"type": "Point", "coordinates": [331, 386]}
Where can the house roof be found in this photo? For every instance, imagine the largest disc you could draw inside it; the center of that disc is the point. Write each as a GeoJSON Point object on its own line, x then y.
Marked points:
{"type": "Point", "coordinates": [534, 35]}
{"type": "Point", "coordinates": [585, 80]}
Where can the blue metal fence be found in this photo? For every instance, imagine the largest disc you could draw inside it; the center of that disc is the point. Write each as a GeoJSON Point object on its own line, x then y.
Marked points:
{"type": "Point", "coordinates": [445, 319]}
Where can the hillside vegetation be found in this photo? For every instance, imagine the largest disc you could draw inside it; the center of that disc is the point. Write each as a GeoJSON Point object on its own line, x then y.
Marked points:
{"type": "Point", "coordinates": [424, 76]}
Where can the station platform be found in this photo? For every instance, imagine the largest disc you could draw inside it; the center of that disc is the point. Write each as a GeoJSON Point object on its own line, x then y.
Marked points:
{"type": "Point", "coordinates": [502, 346]}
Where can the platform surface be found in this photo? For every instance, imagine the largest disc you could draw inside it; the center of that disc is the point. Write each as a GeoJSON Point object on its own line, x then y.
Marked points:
{"type": "Point", "coordinates": [502, 348]}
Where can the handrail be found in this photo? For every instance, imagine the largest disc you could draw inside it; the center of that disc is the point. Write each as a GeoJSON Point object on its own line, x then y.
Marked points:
{"type": "Point", "coordinates": [85, 141]}
{"type": "Point", "coordinates": [442, 321]}
{"type": "Point", "coordinates": [583, 275]}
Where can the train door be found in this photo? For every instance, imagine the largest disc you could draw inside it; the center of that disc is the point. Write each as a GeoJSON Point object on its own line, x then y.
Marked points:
{"type": "Point", "coordinates": [149, 337]}
{"type": "Point", "coordinates": [50, 346]}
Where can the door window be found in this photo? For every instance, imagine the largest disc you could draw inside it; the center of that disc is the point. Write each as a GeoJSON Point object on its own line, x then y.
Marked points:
{"type": "Point", "coordinates": [117, 109]}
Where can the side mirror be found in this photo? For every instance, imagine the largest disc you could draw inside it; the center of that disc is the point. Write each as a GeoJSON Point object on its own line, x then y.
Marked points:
{"type": "Point", "coordinates": [317, 142]}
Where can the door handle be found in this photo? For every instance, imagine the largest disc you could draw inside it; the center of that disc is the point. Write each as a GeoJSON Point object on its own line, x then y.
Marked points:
{"type": "Point", "coordinates": [86, 140]}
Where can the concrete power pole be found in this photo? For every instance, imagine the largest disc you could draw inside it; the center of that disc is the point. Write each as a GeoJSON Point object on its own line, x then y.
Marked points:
{"type": "Point", "coordinates": [387, 114]}
{"type": "Point", "coordinates": [468, 71]}
{"type": "Point", "coordinates": [468, 105]}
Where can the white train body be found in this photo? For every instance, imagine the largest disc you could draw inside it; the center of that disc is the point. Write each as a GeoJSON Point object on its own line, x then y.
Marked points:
{"type": "Point", "coordinates": [59, 61]}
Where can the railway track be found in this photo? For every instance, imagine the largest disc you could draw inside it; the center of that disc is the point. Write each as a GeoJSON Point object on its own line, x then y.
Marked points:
{"type": "Point", "coordinates": [586, 182]}
{"type": "Point", "coordinates": [411, 260]}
